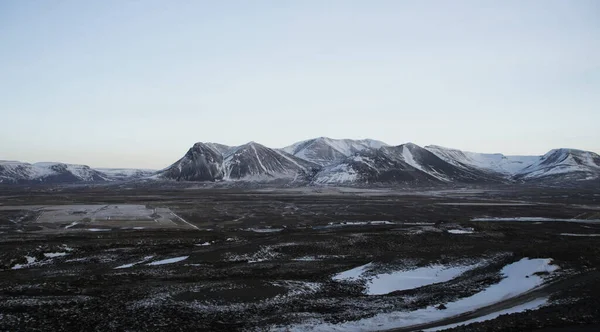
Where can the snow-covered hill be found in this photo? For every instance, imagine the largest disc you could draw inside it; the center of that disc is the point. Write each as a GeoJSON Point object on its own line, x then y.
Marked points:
{"type": "Point", "coordinates": [497, 162]}
{"type": "Point", "coordinates": [562, 165]}
{"type": "Point", "coordinates": [325, 151]}
{"type": "Point", "coordinates": [407, 163]}
{"type": "Point", "coordinates": [19, 172]}
{"type": "Point", "coordinates": [559, 165]}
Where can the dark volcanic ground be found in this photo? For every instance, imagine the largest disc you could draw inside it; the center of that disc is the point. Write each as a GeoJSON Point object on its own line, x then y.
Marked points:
{"type": "Point", "coordinates": [264, 259]}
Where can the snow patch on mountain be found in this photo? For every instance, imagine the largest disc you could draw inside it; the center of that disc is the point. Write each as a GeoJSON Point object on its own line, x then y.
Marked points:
{"type": "Point", "coordinates": [19, 172]}
{"type": "Point", "coordinates": [326, 151]}
{"type": "Point", "coordinates": [577, 164]}
{"type": "Point", "coordinates": [496, 162]}
{"type": "Point", "coordinates": [342, 173]}
{"type": "Point", "coordinates": [256, 162]}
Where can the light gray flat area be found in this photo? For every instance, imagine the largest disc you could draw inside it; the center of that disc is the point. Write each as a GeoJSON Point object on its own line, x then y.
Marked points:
{"type": "Point", "coordinates": [81, 217]}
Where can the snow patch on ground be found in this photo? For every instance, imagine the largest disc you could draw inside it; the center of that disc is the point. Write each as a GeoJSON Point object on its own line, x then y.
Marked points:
{"type": "Point", "coordinates": [535, 304]}
{"type": "Point", "coordinates": [74, 223]}
{"type": "Point", "coordinates": [582, 235]}
{"type": "Point", "coordinates": [265, 253]}
{"type": "Point", "coordinates": [537, 219]}
{"type": "Point", "coordinates": [30, 260]}
{"type": "Point", "coordinates": [353, 274]}
{"type": "Point", "coordinates": [54, 254]}
{"type": "Point", "coordinates": [355, 223]}
{"type": "Point", "coordinates": [461, 231]}
{"type": "Point", "coordinates": [263, 230]}
{"type": "Point", "coordinates": [519, 277]}
{"type": "Point", "coordinates": [125, 266]}
{"type": "Point", "coordinates": [169, 261]}
{"type": "Point", "coordinates": [385, 283]}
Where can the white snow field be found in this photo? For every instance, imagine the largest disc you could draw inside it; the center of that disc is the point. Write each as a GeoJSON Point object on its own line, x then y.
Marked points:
{"type": "Point", "coordinates": [519, 277]}
{"type": "Point", "coordinates": [385, 283]}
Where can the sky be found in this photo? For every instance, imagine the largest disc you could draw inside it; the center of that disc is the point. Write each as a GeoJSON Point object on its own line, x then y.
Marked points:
{"type": "Point", "coordinates": [124, 83]}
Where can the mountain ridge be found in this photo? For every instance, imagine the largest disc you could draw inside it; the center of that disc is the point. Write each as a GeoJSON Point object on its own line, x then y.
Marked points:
{"type": "Point", "coordinates": [327, 161]}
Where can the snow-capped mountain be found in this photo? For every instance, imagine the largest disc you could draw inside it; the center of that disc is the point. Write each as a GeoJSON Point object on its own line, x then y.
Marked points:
{"type": "Point", "coordinates": [249, 162]}
{"type": "Point", "coordinates": [331, 161]}
{"type": "Point", "coordinates": [19, 172]}
{"type": "Point", "coordinates": [399, 164]}
{"type": "Point", "coordinates": [496, 162]}
{"type": "Point", "coordinates": [325, 151]}
{"type": "Point", "coordinates": [256, 161]}
{"type": "Point", "coordinates": [562, 165]}
{"type": "Point", "coordinates": [202, 162]}
{"type": "Point", "coordinates": [555, 166]}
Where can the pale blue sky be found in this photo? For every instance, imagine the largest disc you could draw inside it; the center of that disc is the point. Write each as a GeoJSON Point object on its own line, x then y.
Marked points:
{"type": "Point", "coordinates": [135, 83]}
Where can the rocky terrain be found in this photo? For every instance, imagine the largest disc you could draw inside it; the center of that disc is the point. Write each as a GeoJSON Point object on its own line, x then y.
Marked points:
{"type": "Point", "coordinates": [152, 258]}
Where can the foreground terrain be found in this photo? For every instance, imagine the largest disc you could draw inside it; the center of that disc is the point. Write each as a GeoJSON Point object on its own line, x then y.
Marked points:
{"type": "Point", "coordinates": [110, 258]}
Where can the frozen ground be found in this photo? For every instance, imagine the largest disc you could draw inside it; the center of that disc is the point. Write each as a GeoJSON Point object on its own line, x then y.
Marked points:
{"type": "Point", "coordinates": [335, 259]}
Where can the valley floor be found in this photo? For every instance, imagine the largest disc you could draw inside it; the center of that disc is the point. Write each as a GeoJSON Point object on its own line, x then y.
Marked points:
{"type": "Point", "coordinates": [305, 259]}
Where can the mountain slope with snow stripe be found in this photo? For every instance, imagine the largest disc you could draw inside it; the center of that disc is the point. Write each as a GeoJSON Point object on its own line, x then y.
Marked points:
{"type": "Point", "coordinates": [253, 161]}
{"type": "Point", "coordinates": [201, 163]}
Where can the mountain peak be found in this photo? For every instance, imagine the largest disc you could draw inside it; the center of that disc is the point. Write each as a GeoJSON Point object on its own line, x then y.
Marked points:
{"type": "Point", "coordinates": [411, 145]}
{"type": "Point", "coordinates": [324, 150]}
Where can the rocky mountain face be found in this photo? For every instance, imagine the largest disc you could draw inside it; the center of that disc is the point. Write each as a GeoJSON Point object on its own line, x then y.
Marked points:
{"type": "Point", "coordinates": [202, 162]}
{"type": "Point", "coordinates": [329, 161]}
{"type": "Point", "coordinates": [253, 161]}
{"type": "Point", "coordinates": [248, 162]}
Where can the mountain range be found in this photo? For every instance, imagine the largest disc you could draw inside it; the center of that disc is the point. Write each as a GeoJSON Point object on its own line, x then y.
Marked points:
{"type": "Point", "coordinates": [326, 161]}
